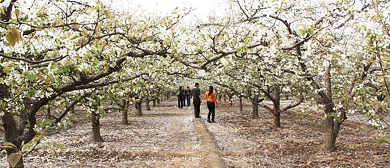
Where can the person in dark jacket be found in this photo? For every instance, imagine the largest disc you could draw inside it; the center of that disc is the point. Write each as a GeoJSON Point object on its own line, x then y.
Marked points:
{"type": "Point", "coordinates": [188, 94]}
{"type": "Point", "coordinates": [196, 100]}
{"type": "Point", "coordinates": [180, 97]}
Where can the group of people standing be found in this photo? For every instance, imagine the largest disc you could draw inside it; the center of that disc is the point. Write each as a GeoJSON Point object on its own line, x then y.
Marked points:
{"type": "Point", "coordinates": [183, 96]}
{"type": "Point", "coordinates": [209, 96]}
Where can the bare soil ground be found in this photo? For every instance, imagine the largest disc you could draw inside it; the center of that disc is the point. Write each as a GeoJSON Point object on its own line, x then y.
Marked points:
{"type": "Point", "coordinates": [171, 137]}
{"type": "Point", "coordinates": [246, 142]}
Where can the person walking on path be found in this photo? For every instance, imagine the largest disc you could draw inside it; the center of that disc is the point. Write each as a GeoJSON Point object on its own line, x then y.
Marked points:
{"type": "Point", "coordinates": [196, 100]}
{"type": "Point", "coordinates": [180, 97]}
{"type": "Point", "coordinates": [188, 95]}
{"type": "Point", "coordinates": [211, 99]}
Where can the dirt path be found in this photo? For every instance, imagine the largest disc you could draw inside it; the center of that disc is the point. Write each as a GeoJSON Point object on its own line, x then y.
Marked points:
{"type": "Point", "coordinates": [211, 157]}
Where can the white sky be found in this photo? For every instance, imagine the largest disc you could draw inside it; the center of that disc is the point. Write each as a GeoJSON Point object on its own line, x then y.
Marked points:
{"type": "Point", "coordinates": [202, 8]}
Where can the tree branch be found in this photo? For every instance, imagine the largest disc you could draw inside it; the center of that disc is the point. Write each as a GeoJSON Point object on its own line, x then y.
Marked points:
{"type": "Point", "coordinates": [58, 92]}
{"type": "Point", "coordinates": [95, 85]}
{"type": "Point", "coordinates": [30, 61]}
{"type": "Point", "coordinates": [293, 105]}
{"type": "Point", "coordinates": [68, 108]}
{"type": "Point", "coordinates": [297, 44]}
{"type": "Point", "coordinates": [266, 107]}
{"type": "Point", "coordinates": [288, 26]}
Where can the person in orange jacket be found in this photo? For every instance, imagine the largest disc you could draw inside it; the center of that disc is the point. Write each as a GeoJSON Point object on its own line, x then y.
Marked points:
{"type": "Point", "coordinates": [211, 99]}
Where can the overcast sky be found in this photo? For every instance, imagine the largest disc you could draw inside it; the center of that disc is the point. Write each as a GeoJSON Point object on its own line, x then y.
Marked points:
{"type": "Point", "coordinates": [203, 8]}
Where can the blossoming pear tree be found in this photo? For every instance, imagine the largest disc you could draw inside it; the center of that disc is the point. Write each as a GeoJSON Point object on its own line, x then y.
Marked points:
{"type": "Point", "coordinates": [52, 50]}
{"type": "Point", "coordinates": [331, 45]}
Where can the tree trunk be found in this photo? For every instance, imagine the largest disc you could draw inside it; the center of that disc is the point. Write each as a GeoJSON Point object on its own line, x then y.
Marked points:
{"type": "Point", "coordinates": [148, 104]}
{"type": "Point", "coordinates": [12, 134]}
{"type": "Point", "coordinates": [95, 119]}
{"type": "Point", "coordinates": [48, 114]}
{"type": "Point", "coordinates": [155, 102]}
{"type": "Point", "coordinates": [124, 108]}
{"type": "Point", "coordinates": [125, 120]}
{"type": "Point", "coordinates": [255, 107]}
{"type": "Point", "coordinates": [230, 100]}
{"type": "Point", "coordinates": [331, 126]}
{"type": "Point", "coordinates": [330, 132]}
{"type": "Point", "coordinates": [158, 100]}
{"type": "Point", "coordinates": [276, 110]}
{"type": "Point", "coordinates": [138, 106]}
{"type": "Point", "coordinates": [224, 98]}
{"type": "Point", "coordinates": [241, 104]}
{"type": "Point", "coordinates": [168, 95]}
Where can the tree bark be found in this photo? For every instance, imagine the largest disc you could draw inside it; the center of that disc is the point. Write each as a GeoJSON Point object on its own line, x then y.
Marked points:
{"type": "Point", "coordinates": [230, 99]}
{"type": "Point", "coordinates": [330, 132]}
{"type": "Point", "coordinates": [155, 102]}
{"type": "Point", "coordinates": [138, 106]}
{"type": "Point", "coordinates": [95, 120]}
{"type": "Point", "coordinates": [255, 107]}
{"type": "Point", "coordinates": [276, 110]}
{"type": "Point", "coordinates": [96, 127]}
{"type": "Point", "coordinates": [48, 114]}
{"type": "Point", "coordinates": [168, 95]}
{"type": "Point", "coordinates": [124, 109]}
{"type": "Point", "coordinates": [158, 100]}
{"type": "Point", "coordinates": [125, 120]}
{"type": "Point", "coordinates": [12, 134]}
{"type": "Point", "coordinates": [148, 104]}
{"type": "Point", "coordinates": [331, 128]}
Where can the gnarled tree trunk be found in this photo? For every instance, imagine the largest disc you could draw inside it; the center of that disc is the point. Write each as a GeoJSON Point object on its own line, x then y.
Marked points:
{"type": "Point", "coordinates": [330, 130]}
{"type": "Point", "coordinates": [124, 108]}
{"type": "Point", "coordinates": [148, 104]}
{"type": "Point", "coordinates": [332, 125]}
{"type": "Point", "coordinates": [168, 95]}
{"type": "Point", "coordinates": [14, 131]}
{"type": "Point", "coordinates": [276, 110]}
{"type": "Point", "coordinates": [95, 121]}
{"type": "Point", "coordinates": [95, 118]}
{"type": "Point", "coordinates": [138, 107]}
{"type": "Point", "coordinates": [12, 134]}
{"type": "Point", "coordinates": [125, 120]}
{"type": "Point", "coordinates": [48, 113]}
{"type": "Point", "coordinates": [255, 107]}
{"type": "Point", "coordinates": [155, 102]}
